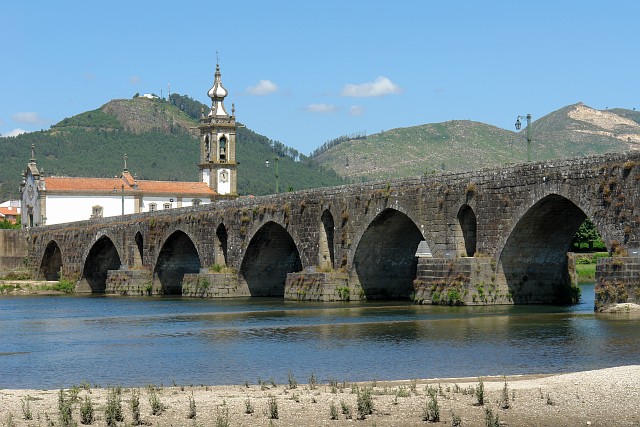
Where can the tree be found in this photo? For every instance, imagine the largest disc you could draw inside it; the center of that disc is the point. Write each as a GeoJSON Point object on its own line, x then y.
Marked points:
{"type": "Point", "coordinates": [587, 233]}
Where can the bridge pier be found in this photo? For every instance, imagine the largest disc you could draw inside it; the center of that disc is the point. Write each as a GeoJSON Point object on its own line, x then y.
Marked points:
{"type": "Point", "coordinates": [129, 282]}
{"type": "Point", "coordinates": [459, 281]}
{"type": "Point", "coordinates": [214, 285]}
{"type": "Point", "coordinates": [318, 286]}
{"type": "Point", "coordinates": [617, 281]}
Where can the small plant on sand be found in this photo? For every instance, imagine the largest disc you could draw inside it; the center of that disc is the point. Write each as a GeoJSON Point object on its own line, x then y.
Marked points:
{"type": "Point", "coordinates": [86, 411]}
{"type": "Point", "coordinates": [346, 409]}
{"type": "Point", "coordinates": [222, 416]}
{"type": "Point", "coordinates": [490, 419]}
{"type": "Point", "coordinates": [504, 403]}
{"type": "Point", "coordinates": [313, 381]}
{"type": "Point", "coordinates": [248, 406]}
{"type": "Point", "coordinates": [10, 422]}
{"type": "Point", "coordinates": [113, 411]}
{"type": "Point", "coordinates": [550, 401]}
{"type": "Point", "coordinates": [333, 411]}
{"type": "Point", "coordinates": [364, 403]}
{"type": "Point", "coordinates": [293, 383]}
{"type": "Point", "coordinates": [64, 407]}
{"type": "Point", "coordinates": [135, 408]}
{"type": "Point", "coordinates": [480, 392]}
{"type": "Point", "coordinates": [273, 408]}
{"type": "Point", "coordinates": [154, 401]}
{"type": "Point", "coordinates": [334, 385]}
{"type": "Point", "coordinates": [26, 408]}
{"type": "Point", "coordinates": [456, 421]}
{"type": "Point", "coordinates": [192, 407]}
{"type": "Point", "coordinates": [431, 410]}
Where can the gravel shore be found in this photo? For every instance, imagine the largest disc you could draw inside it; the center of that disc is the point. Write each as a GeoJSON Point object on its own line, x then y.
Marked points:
{"type": "Point", "coordinates": [605, 397]}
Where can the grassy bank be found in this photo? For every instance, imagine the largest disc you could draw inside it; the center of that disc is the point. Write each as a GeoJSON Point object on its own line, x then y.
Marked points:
{"type": "Point", "coordinates": [36, 287]}
{"type": "Point", "coordinates": [586, 265]}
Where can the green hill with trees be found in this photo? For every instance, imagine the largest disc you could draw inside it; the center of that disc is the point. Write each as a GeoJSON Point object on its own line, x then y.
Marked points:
{"type": "Point", "coordinates": [159, 139]}
{"type": "Point", "coordinates": [459, 145]}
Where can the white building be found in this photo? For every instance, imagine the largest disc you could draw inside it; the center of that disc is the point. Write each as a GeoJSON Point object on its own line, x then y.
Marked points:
{"type": "Point", "coordinates": [55, 200]}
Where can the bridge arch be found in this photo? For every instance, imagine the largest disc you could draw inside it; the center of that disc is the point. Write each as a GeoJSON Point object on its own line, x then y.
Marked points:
{"type": "Point", "coordinates": [533, 259]}
{"type": "Point", "coordinates": [326, 246]}
{"type": "Point", "coordinates": [138, 250]}
{"type": "Point", "coordinates": [384, 263]}
{"type": "Point", "coordinates": [270, 255]}
{"type": "Point", "coordinates": [177, 257]}
{"type": "Point", "coordinates": [51, 263]}
{"type": "Point", "coordinates": [102, 257]}
{"type": "Point", "coordinates": [466, 231]}
{"type": "Point", "coordinates": [221, 245]}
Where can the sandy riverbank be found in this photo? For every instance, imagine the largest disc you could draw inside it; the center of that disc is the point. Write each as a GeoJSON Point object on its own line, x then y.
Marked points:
{"type": "Point", "coordinates": [606, 397]}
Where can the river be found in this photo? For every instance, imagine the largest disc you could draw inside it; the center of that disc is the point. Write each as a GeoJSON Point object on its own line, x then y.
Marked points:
{"type": "Point", "coordinates": [59, 341]}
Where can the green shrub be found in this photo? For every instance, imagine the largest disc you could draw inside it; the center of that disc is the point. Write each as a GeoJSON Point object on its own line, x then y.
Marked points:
{"type": "Point", "coordinates": [273, 407]}
{"type": "Point", "coordinates": [490, 419]}
{"type": "Point", "coordinates": [480, 392]}
{"type": "Point", "coordinates": [64, 408]}
{"type": "Point", "coordinates": [431, 410]}
{"type": "Point", "coordinates": [364, 403]}
{"type": "Point", "coordinates": [86, 411]}
{"type": "Point", "coordinates": [135, 408]}
{"type": "Point", "coordinates": [192, 407]}
{"type": "Point", "coordinates": [113, 411]}
{"type": "Point", "coordinates": [333, 411]}
{"type": "Point", "coordinates": [154, 401]}
{"type": "Point", "coordinates": [26, 408]}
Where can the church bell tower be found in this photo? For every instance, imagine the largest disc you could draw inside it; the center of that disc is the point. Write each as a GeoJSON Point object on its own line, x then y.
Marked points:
{"type": "Point", "coordinates": [218, 166]}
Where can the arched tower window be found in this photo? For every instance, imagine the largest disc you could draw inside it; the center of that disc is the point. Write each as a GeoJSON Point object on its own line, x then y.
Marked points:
{"type": "Point", "coordinates": [223, 149]}
{"type": "Point", "coordinates": [207, 148]}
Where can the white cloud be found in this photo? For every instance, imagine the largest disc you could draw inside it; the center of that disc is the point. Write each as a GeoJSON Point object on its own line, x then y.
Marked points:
{"type": "Point", "coordinates": [15, 132]}
{"type": "Point", "coordinates": [321, 108]}
{"type": "Point", "coordinates": [356, 110]}
{"type": "Point", "coordinates": [134, 80]}
{"type": "Point", "coordinates": [28, 117]}
{"type": "Point", "coordinates": [379, 87]}
{"type": "Point", "coordinates": [264, 87]}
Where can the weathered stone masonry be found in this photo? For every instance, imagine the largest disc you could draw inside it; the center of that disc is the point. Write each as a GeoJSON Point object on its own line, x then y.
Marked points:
{"type": "Point", "coordinates": [358, 241]}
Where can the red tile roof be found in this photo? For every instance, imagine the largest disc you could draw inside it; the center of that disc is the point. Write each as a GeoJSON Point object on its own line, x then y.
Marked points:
{"type": "Point", "coordinates": [107, 185]}
{"type": "Point", "coordinates": [9, 211]}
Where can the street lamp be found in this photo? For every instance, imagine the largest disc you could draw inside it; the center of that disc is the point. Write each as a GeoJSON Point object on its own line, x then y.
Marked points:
{"type": "Point", "coordinates": [266, 163]}
{"type": "Point", "coordinates": [519, 125]}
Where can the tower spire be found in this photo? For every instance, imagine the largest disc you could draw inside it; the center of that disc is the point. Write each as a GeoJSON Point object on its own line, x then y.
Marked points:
{"type": "Point", "coordinates": [33, 153]}
{"type": "Point", "coordinates": [217, 93]}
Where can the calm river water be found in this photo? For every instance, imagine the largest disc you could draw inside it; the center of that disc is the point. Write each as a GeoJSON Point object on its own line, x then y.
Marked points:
{"type": "Point", "coordinates": [59, 341]}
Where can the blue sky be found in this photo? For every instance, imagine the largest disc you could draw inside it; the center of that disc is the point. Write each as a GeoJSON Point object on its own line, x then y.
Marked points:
{"type": "Point", "coordinates": [305, 72]}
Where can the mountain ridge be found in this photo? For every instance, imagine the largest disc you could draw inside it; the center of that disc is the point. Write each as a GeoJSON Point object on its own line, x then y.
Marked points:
{"type": "Point", "coordinates": [461, 145]}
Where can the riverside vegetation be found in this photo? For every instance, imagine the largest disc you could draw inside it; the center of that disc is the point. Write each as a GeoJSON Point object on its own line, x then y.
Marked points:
{"type": "Point", "coordinates": [604, 397]}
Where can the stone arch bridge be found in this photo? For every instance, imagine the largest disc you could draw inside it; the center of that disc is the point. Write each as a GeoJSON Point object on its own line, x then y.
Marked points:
{"type": "Point", "coordinates": [495, 236]}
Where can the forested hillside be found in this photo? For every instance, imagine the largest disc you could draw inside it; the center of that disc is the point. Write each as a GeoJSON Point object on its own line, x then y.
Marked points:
{"type": "Point", "coordinates": [158, 138]}
{"type": "Point", "coordinates": [459, 145]}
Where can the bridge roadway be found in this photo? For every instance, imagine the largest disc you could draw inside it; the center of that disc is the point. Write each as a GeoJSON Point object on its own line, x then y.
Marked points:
{"type": "Point", "coordinates": [497, 236]}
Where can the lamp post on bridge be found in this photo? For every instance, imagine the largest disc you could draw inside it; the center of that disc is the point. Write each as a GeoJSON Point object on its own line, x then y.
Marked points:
{"type": "Point", "coordinates": [519, 125]}
{"type": "Point", "coordinates": [266, 163]}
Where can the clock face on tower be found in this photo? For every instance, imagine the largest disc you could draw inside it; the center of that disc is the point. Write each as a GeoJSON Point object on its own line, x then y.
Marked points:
{"type": "Point", "coordinates": [224, 176]}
